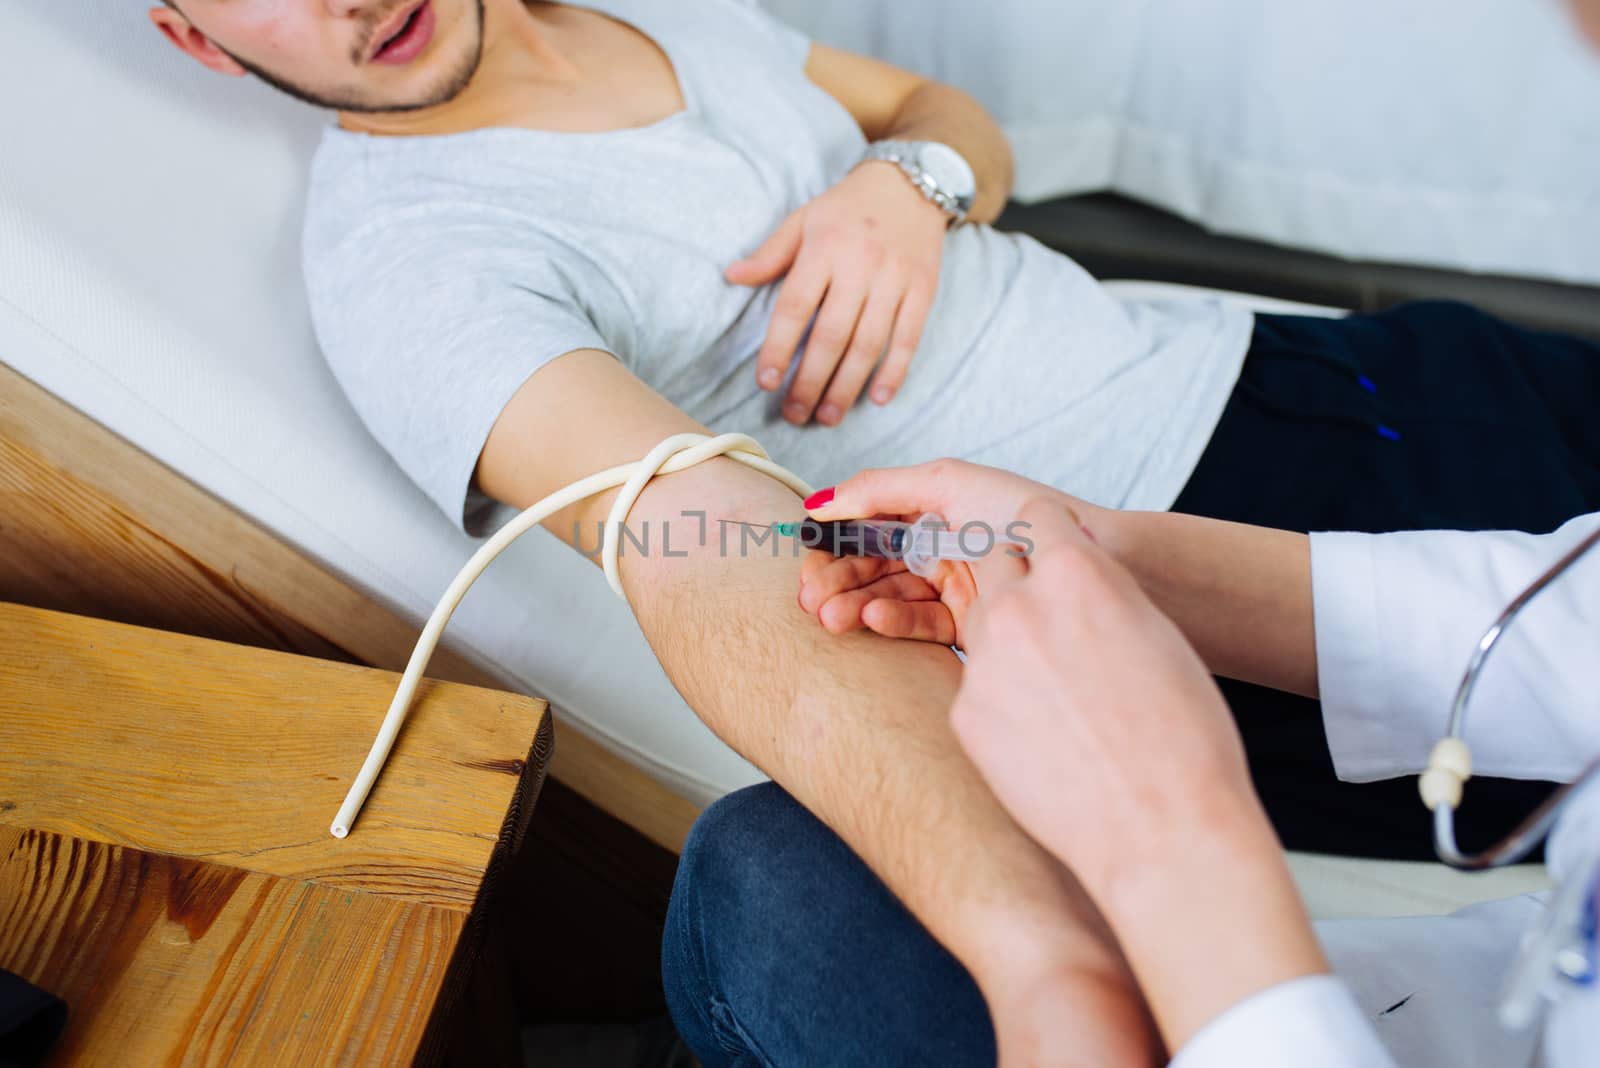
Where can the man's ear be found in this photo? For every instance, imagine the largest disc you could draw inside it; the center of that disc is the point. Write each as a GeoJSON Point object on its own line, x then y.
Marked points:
{"type": "Point", "coordinates": [190, 41]}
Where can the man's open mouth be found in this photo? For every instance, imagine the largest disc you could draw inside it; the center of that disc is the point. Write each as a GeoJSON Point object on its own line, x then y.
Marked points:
{"type": "Point", "coordinates": [409, 38]}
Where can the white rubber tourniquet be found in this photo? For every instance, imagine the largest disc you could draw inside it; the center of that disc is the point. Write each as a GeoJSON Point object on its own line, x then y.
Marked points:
{"type": "Point", "coordinates": [677, 453]}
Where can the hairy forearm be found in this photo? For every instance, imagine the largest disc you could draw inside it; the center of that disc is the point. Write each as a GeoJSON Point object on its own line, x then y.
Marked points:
{"type": "Point", "coordinates": [938, 112]}
{"type": "Point", "coordinates": [855, 728]}
{"type": "Point", "coordinates": [1241, 594]}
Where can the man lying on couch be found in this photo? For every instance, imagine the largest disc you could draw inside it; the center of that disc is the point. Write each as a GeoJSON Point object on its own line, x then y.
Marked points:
{"type": "Point", "coordinates": [542, 237]}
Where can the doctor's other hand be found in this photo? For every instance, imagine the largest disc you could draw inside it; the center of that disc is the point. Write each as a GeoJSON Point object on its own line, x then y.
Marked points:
{"type": "Point", "coordinates": [1101, 732]}
{"type": "Point", "coordinates": [863, 259]}
{"type": "Point", "coordinates": [851, 593]}
{"type": "Point", "coordinates": [1080, 696]}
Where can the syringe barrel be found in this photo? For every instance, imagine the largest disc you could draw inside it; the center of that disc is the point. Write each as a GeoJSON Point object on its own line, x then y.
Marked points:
{"type": "Point", "coordinates": [932, 540]}
{"type": "Point", "coordinates": [884, 539]}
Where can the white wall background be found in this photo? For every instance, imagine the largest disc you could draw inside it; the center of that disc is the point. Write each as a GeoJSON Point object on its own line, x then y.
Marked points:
{"type": "Point", "coordinates": [1457, 133]}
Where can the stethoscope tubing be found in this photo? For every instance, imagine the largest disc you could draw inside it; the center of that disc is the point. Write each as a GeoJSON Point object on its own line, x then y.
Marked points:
{"type": "Point", "coordinates": [1527, 835]}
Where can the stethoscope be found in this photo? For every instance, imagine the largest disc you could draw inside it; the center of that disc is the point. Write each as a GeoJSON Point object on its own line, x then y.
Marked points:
{"type": "Point", "coordinates": [1561, 952]}
{"type": "Point", "coordinates": [1450, 765]}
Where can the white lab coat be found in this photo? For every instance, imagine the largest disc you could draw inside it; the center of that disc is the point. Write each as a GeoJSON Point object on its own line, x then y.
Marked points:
{"type": "Point", "coordinates": [1397, 616]}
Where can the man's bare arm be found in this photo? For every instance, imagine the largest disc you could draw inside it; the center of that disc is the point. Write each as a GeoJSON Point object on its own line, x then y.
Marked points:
{"type": "Point", "coordinates": [889, 102]}
{"type": "Point", "coordinates": [855, 728]}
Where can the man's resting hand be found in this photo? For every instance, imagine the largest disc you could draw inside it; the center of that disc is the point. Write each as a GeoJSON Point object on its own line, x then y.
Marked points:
{"type": "Point", "coordinates": [862, 259]}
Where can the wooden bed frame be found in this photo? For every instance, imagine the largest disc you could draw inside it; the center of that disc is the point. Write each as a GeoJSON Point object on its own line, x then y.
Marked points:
{"type": "Point", "coordinates": [90, 524]}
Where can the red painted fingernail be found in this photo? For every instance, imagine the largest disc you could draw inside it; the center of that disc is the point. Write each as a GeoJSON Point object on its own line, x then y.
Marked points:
{"type": "Point", "coordinates": [820, 499]}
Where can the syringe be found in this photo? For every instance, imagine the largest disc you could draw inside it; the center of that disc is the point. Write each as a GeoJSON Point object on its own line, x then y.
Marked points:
{"type": "Point", "coordinates": [921, 545]}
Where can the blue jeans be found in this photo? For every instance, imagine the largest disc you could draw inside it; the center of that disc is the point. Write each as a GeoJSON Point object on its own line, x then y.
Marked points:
{"type": "Point", "coordinates": [782, 949]}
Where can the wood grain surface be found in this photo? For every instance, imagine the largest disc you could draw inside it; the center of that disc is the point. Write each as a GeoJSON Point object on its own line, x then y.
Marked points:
{"type": "Point", "coordinates": [164, 960]}
{"type": "Point", "coordinates": [89, 524]}
{"type": "Point", "coordinates": [165, 864]}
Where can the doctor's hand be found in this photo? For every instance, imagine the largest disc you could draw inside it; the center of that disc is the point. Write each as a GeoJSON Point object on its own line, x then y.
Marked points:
{"type": "Point", "coordinates": [851, 593]}
{"type": "Point", "coordinates": [1079, 696]}
{"type": "Point", "coordinates": [863, 259]}
{"type": "Point", "coordinates": [1101, 732]}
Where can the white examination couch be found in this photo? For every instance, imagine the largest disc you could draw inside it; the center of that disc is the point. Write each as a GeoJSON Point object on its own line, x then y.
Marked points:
{"type": "Point", "coordinates": [149, 242]}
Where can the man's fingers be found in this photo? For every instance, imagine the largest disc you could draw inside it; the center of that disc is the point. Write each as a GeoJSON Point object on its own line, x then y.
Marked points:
{"type": "Point", "coordinates": [900, 586]}
{"type": "Point", "coordinates": [817, 563]}
{"type": "Point", "coordinates": [922, 621]}
{"type": "Point", "coordinates": [866, 349]}
{"type": "Point", "coordinates": [829, 577]}
{"type": "Point", "coordinates": [775, 256]}
{"type": "Point", "coordinates": [797, 302]}
{"type": "Point", "coordinates": [835, 326]}
{"type": "Point", "coordinates": [913, 316]}
{"type": "Point", "coordinates": [841, 614]}
{"type": "Point", "coordinates": [846, 610]}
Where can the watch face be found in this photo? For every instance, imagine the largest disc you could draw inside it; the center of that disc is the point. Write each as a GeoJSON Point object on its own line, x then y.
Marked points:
{"type": "Point", "coordinates": [948, 170]}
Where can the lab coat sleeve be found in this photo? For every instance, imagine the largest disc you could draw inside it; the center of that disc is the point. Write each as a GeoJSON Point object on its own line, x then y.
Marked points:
{"type": "Point", "coordinates": [1397, 617]}
{"type": "Point", "coordinates": [1310, 1023]}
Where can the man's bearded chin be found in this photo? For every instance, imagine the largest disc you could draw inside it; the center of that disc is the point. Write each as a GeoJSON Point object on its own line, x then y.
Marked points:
{"type": "Point", "coordinates": [448, 88]}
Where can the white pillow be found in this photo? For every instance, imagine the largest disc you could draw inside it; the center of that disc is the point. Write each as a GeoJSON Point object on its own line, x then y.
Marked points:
{"type": "Point", "coordinates": [1453, 133]}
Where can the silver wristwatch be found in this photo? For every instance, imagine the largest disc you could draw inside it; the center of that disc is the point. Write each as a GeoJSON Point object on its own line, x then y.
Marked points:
{"type": "Point", "coordinates": [937, 170]}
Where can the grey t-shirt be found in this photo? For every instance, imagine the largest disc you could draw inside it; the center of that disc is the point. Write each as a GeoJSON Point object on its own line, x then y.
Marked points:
{"type": "Point", "coordinates": [444, 271]}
